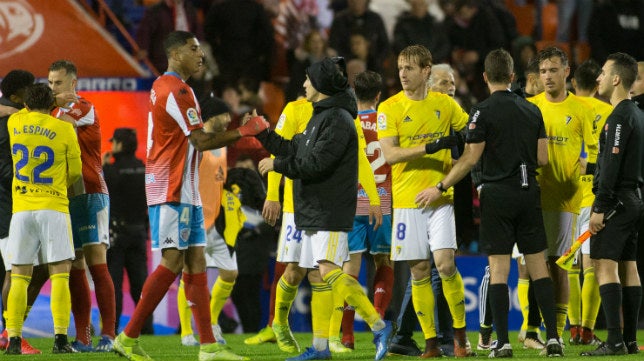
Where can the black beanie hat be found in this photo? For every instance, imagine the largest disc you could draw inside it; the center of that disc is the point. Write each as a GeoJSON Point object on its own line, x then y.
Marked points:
{"type": "Point", "coordinates": [328, 76]}
{"type": "Point", "coordinates": [212, 106]}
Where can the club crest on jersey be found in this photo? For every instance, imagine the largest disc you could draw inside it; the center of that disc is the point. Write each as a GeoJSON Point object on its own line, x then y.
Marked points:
{"type": "Point", "coordinates": [438, 113]}
{"type": "Point", "coordinates": [382, 121]}
{"type": "Point", "coordinates": [568, 119]}
{"type": "Point", "coordinates": [193, 116]}
{"type": "Point", "coordinates": [184, 234]}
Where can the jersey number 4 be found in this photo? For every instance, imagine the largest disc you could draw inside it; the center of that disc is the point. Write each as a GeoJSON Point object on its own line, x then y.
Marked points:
{"type": "Point", "coordinates": [42, 154]}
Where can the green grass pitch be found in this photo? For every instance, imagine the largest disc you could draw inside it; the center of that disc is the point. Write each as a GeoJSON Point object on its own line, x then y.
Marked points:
{"type": "Point", "coordinates": [168, 348]}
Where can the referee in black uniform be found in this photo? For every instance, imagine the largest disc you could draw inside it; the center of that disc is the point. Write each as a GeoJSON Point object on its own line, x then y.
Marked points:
{"type": "Point", "coordinates": [507, 133]}
{"type": "Point", "coordinates": [618, 177]}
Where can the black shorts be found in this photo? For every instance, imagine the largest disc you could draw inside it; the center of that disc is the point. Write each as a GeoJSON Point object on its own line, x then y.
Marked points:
{"type": "Point", "coordinates": [618, 240]}
{"type": "Point", "coordinates": [511, 214]}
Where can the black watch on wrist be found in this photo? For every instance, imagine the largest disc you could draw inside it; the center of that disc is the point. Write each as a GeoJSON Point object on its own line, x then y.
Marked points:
{"type": "Point", "coordinates": [440, 187]}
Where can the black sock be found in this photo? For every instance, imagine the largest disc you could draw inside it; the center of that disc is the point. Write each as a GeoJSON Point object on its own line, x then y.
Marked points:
{"type": "Point", "coordinates": [534, 316]}
{"type": "Point", "coordinates": [500, 303]}
{"type": "Point", "coordinates": [631, 300]}
{"type": "Point", "coordinates": [544, 292]}
{"type": "Point", "coordinates": [611, 295]}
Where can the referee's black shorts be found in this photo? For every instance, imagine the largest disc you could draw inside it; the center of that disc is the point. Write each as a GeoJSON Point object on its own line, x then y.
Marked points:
{"type": "Point", "coordinates": [511, 214]}
{"type": "Point", "coordinates": [618, 240]}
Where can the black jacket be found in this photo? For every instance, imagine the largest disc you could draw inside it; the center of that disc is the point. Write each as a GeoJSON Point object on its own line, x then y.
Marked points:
{"type": "Point", "coordinates": [125, 181]}
{"type": "Point", "coordinates": [323, 163]}
{"type": "Point", "coordinates": [6, 171]}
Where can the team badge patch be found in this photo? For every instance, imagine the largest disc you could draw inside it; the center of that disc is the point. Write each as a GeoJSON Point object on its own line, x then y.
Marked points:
{"type": "Point", "coordinates": [193, 116]}
{"type": "Point", "coordinates": [184, 234]}
{"type": "Point", "coordinates": [280, 122]}
{"type": "Point", "coordinates": [382, 121]}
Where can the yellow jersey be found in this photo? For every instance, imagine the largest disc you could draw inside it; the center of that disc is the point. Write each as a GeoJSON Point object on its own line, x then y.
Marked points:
{"type": "Point", "coordinates": [413, 123]}
{"type": "Point", "coordinates": [568, 124]}
{"type": "Point", "coordinates": [46, 160]}
{"type": "Point", "coordinates": [293, 120]}
{"type": "Point", "coordinates": [601, 110]}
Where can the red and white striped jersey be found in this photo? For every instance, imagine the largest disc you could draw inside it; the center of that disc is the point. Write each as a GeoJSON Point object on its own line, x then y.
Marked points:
{"type": "Point", "coordinates": [88, 129]}
{"type": "Point", "coordinates": [172, 167]}
{"type": "Point", "coordinates": [381, 170]}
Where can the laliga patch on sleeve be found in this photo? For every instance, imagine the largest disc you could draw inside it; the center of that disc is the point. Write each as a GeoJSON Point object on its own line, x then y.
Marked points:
{"type": "Point", "coordinates": [193, 116]}
{"type": "Point", "coordinates": [382, 121]}
{"type": "Point", "coordinates": [280, 122]}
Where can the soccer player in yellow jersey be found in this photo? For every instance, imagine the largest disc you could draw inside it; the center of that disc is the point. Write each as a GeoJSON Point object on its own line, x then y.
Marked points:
{"type": "Point", "coordinates": [46, 158]}
{"type": "Point", "coordinates": [569, 123]}
{"type": "Point", "coordinates": [413, 129]}
{"type": "Point", "coordinates": [583, 305]}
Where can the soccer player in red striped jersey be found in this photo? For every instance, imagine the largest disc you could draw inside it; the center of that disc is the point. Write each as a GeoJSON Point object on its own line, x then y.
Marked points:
{"type": "Point", "coordinates": [175, 140]}
{"type": "Point", "coordinates": [89, 210]}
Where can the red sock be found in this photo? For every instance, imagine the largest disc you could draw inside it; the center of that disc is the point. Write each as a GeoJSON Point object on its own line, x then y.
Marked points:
{"type": "Point", "coordinates": [279, 271]}
{"type": "Point", "coordinates": [81, 304]}
{"type": "Point", "coordinates": [348, 317]}
{"type": "Point", "coordinates": [154, 288]}
{"type": "Point", "coordinates": [104, 289]}
{"type": "Point", "coordinates": [196, 286]}
{"type": "Point", "coordinates": [382, 284]}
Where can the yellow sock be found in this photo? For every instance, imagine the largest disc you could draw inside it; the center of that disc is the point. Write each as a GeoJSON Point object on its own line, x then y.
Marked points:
{"type": "Point", "coordinates": [574, 302]}
{"type": "Point", "coordinates": [351, 291]}
{"type": "Point", "coordinates": [321, 309]}
{"type": "Point", "coordinates": [423, 298]}
{"type": "Point", "coordinates": [454, 292]}
{"type": "Point", "coordinates": [16, 303]}
{"type": "Point", "coordinates": [61, 305]}
{"type": "Point", "coordinates": [284, 296]}
{"type": "Point", "coordinates": [185, 312]}
{"type": "Point", "coordinates": [523, 286]}
{"type": "Point", "coordinates": [561, 311]}
{"type": "Point", "coordinates": [590, 299]}
{"type": "Point", "coordinates": [335, 323]}
{"type": "Point", "coordinates": [221, 290]}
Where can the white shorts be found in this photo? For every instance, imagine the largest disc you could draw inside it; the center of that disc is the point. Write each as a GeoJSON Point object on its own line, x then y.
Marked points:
{"type": "Point", "coordinates": [324, 246]}
{"type": "Point", "coordinates": [4, 250]}
{"type": "Point", "coordinates": [560, 228]}
{"type": "Point", "coordinates": [43, 235]}
{"type": "Point", "coordinates": [289, 245]}
{"type": "Point", "coordinates": [582, 225]}
{"type": "Point", "coordinates": [416, 232]}
{"type": "Point", "coordinates": [217, 252]}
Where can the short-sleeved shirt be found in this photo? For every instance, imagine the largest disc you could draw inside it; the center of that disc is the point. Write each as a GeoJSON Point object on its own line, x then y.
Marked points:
{"type": "Point", "coordinates": [171, 173]}
{"type": "Point", "coordinates": [568, 124]}
{"type": "Point", "coordinates": [293, 120]}
{"type": "Point", "coordinates": [507, 145]}
{"type": "Point", "coordinates": [602, 110]}
{"type": "Point", "coordinates": [42, 148]}
{"type": "Point", "coordinates": [88, 127]}
{"type": "Point", "coordinates": [414, 123]}
{"type": "Point", "coordinates": [367, 122]}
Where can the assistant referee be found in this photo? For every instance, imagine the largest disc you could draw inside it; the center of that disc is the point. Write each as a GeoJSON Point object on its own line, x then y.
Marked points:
{"type": "Point", "coordinates": [507, 134]}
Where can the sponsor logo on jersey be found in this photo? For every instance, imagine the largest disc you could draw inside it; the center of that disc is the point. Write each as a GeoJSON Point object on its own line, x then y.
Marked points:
{"type": "Point", "coordinates": [568, 119]}
{"type": "Point", "coordinates": [193, 116]}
